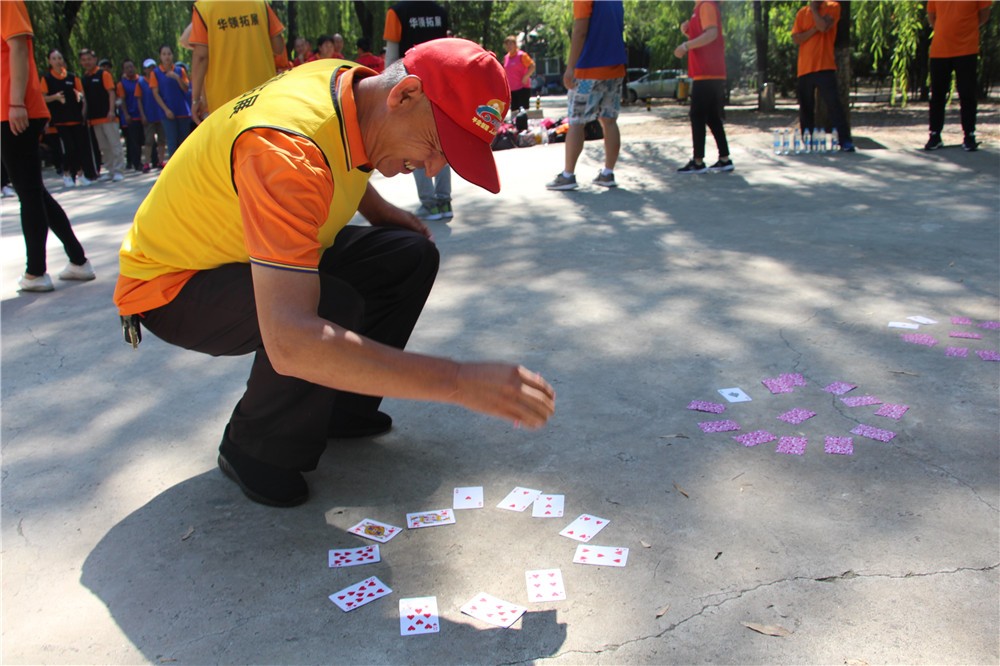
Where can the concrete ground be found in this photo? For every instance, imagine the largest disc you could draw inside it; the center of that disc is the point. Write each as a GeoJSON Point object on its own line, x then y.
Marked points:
{"type": "Point", "coordinates": [123, 543]}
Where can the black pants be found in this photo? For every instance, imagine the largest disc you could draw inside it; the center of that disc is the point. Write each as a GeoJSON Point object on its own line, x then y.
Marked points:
{"type": "Point", "coordinates": [708, 99]}
{"type": "Point", "coordinates": [76, 149]}
{"type": "Point", "coordinates": [54, 150]}
{"type": "Point", "coordinates": [373, 281]}
{"type": "Point", "coordinates": [826, 83]}
{"type": "Point", "coordinates": [39, 211]}
{"type": "Point", "coordinates": [965, 83]}
{"type": "Point", "coordinates": [135, 135]}
{"type": "Point", "coordinates": [520, 99]}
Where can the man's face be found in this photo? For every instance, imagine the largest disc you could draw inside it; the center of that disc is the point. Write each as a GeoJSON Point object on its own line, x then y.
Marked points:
{"type": "Point", "coordinates": [338, 43]}
{"type": "Point", "coordinates": [129, 69]}
{"type": "Point", "coordinates": [87, 61]}
{"type": "Point", "coordinates": [326, 49]}
{"type": "Point", "coordinates": [56, 61]}
{"type": "Point", "coordinates": [302, 46]}
{"type": "Point", "coordinates": [407, 141]}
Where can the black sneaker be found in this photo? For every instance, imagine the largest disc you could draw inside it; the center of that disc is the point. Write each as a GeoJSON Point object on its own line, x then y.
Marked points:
{"type": "Point", "coordinates": [934, 142]}
{"type": "Point", "coordinates": [969, 144]}
{"type": "Point", "coordinates": [693, 167]}
{"type": "Point", "coordinates": [722, 165]}
{"type": "Point", "coordinates": [263, 483]}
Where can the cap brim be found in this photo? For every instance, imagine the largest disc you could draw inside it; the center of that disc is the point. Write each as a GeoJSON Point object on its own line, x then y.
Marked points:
{"type": "Point", "coordinates": [468, 155]}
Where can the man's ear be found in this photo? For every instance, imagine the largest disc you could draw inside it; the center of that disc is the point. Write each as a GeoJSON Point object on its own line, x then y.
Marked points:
{"type": "Point", "coordinates": [410, 89]}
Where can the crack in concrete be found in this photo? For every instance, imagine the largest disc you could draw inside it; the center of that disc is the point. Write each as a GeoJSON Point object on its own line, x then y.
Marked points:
{"type": "Point", "coordinates": [846, 575]}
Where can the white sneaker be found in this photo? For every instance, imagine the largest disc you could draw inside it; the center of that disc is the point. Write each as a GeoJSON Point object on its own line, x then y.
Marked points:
{"type": "Point", "coordinates": [85, 182]}
{"type": "Point", "coordinates": [104, 177]}
{"type": "Point", "coordinates": [8, 191]}
{"type": "Point", "coordinates": [117, 178]}
{"type": "Point", "coordinates": [74, 272]}
{"type": "Point", "coordinates": [43, 283]}
{"type": "Point", "coordinates": [68, 181]}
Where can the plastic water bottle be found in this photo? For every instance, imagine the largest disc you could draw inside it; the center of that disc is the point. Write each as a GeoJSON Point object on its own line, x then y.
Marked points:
{"type": "Point", "coordinates": [784, 142]}
{"type": "Point", "coordinates": [806, 141]}
{"type": "Point", "coordinates": [834, 141]}
{"type": "Point", "coordinates": [797, 141]}
{"type": "Point", "coordinates": [777, 142]}
{"type": "Point", "coordinates": [817, 137]}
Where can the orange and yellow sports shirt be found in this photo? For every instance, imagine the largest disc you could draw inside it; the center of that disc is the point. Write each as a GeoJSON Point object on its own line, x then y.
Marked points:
{"type": "Point", "coordinates": [956, 27]}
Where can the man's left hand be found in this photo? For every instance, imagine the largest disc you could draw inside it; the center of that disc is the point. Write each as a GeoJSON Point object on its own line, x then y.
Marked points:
{"type": "Point", "coordinates": [393, 216]}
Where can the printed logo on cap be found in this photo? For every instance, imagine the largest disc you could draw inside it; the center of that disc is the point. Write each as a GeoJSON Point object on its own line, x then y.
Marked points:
{"type": "Point", "coordinates": [489, 116]}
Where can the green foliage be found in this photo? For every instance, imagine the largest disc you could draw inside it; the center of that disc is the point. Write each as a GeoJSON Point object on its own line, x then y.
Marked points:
{"type": "Point", "coordinates": [898, 27]}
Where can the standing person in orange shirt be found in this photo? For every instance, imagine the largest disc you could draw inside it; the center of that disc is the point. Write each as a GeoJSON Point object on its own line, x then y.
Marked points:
{"type": "Point", "coordinates": [706, 51]}
{"type": "Point", "coordinates": [99, 92]}
{"type": "Point", "coordinates": [955, 48]}
{"type": "Point", "coordinates": [23, 115]}
{"type": "Point", "coordinates": [235, 45]}
{"type": "Point", "coordinates": [814, 31]}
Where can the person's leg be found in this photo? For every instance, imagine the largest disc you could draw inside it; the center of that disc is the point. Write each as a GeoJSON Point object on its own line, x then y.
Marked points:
{"type": "Point", "coordinates": [425, 189]}
{"type": "Point", "coordinates": [183, 129]}
{"type": "Point", "coordinates": [442, 186]}
{"type": "Point", "coordinates": [71, 158]}
{"type": "Point", "coordinates": [805, 90]}
{"type": "Point", "coordinates": [607, 114]}
{"type": "Point", "coordinates": [161, 143]}
{"type": "Point", "coordinates": [940, 70]}
{"type": "Point", "coordinates": [109, 138]}
{"type": "Point", "coordinates": [582, 109]}
{"type": "Point", "coordinates": [39, 211]}
{"type": "Point", "coordinates": [714, 106]}
{"type": "Point", "coordinates": [700, 100]}
{"type": "Point", "coordinates": [965, 84]}
{"type": "Point", "coordinates": [826, 82]}
{"type": "Point", "coordinates": [170, 130]}
{"type": "Point", "coordinates": [149, 143]}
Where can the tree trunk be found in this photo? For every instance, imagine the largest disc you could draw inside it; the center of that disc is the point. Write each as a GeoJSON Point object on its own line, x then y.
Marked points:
{"type": "Point", "coordinates": [765, 99]}
{"type": "Point", "coordinates": [366, 19]}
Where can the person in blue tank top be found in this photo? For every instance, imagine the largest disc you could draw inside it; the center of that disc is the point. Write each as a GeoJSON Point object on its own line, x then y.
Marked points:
{"type": "Point", "coordinates": [170, 88]}
{"type": "Point", "coordinates": [154, 143]}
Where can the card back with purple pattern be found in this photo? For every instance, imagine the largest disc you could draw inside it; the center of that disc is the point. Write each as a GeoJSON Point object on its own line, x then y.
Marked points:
{"type": "Point", "coordinates": [719, 426]}
{"type": "Point", "coordinates": [873, 433]}
{"type": "Point", "coordinates": [754, 438]}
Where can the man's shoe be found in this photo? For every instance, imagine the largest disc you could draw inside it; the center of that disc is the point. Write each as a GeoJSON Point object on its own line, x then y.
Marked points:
{"type": "Point", "coordinates": [145, 168]}
{"type": "Point", "coordinates": [42, 283]}
{"type": "Point", "coordinates": [847, 147]}
{"type": "Point", "coordinates": [693, 167]}
{"type": "Point", "coordinates": [85, 182]}
{"type": "Point", "coordinates": [74, 272]}
{"type": "Point", "coordinates": [561, 182]}
{"type": "Point", "coordinates": [68, 181]}
{"type": "Point", "coordinates": [117, 178]}
{"type": "Point", "coordinates": [446, 211]}
{"type": "Point", "coordinates": [934, 142]}
{"type": "Point", "coordinates": [429, 214]}
{"type": "Point", "coordinates": [104, 177]}
{"type": "Point", "coordinates": [263, 483]}
{"type": "Point", "coordinates": [969, 144]}
{"type": "Point", "coordinates": [605, 181]}
{"type": "Point", "coordinates": [353, 426]}
{"type": "Point", "coordinates": [722, 165]}
{"type": "Point", "coordinates": [8, 191]}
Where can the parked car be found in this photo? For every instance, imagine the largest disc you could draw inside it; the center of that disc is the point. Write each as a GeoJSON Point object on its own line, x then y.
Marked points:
{"type": "Point", "coordinates": [661, 83]}
{"type": "Point", "coordinates": [632, 74]}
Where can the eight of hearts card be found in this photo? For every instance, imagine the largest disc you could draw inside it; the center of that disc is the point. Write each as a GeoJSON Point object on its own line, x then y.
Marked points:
{"type": "Point", "coordinates": [605, 556]}
{"type": "Point", "coordinates": [494, 611]}
{"type": "Point", "coordinates": [352, 557]}
{"type": "Point", "coordinates": [430, 518]}
{"type": "Point", "coordinates": [584, 528]}
{"type": "Point", "coordinates": [545, 585]}
{"type": "Point", "coordinates": [418, 615]}
{"type": "Point", "coordinates": [360, 594]}
{"type": "Point", "coordinates": [374, 530]}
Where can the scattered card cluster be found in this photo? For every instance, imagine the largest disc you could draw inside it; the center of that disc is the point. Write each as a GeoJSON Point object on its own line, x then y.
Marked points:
{"type": "Point", "coordinates": [796, 445]}
{"type": "Point", "coordinates": [927, 340]}
{"type": "Point", "coordinates": [419, 615]}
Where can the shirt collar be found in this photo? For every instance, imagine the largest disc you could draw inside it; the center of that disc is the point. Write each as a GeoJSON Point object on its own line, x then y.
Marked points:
{"type": "Point", "coordinates": [347, 111]}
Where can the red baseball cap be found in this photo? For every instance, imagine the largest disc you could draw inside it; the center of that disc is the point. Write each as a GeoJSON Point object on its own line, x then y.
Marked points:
{"type": "Point", "coordinates": [468, 90]}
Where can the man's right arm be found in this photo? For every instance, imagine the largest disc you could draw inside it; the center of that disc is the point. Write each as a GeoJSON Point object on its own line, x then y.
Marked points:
{"type": "Point", "coordinates": [581, 27]}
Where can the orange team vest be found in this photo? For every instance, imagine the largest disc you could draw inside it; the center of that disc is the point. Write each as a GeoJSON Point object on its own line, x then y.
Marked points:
{"type": "Point", "coordinates": [191, 218]}
{"type": "Point", "coordinates": [239, 55]}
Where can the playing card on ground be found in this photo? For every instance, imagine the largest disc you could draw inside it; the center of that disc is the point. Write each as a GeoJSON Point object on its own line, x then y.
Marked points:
{"type": "Point", "coordinates": [796, 416]}
{"type": "Point", "coordinates": [860, 400]}
{"type": "Point", "coordinates": [418, 615]}
{"type": "Point", "coordinates": [719, 426]}
{"type": "Point", "coordinates": [776, 385]}
{"type": "Point", "coordinates": [374, 530]}
{"type": "Point", "coordinates": [352, 557]}
{"type": "Point", "coordinates": [961, 321]}
{"type": "Point", "coordinates": [839, 388]}
{"type": "Point", "coordinates": [519, 499]}
{"type": "Point", "coordinates": [793, 445]}
{"type": "Point", "coordinates": [734, 394]}
{"type": "Point", "coordinates": [430, 518]}
{"type": "Point", "coordinates": [494, 611]}
{"type": "Point", "coordinates": [873, 433]}
{"type": "Point", "coordinates": [704, 406]}
{"type": "Point", "coordinates": [605, 556]}
{"type": "Point", "coordinates": [990, 325]}
{"type": "Point", "coordinates": [793, 379]}
{"type": "Point", "coordinates": [754, 438]}
{"type": "Point", "coordinates": [892, 411]}
{"type": "Point", "coordinates": [548, 506]}
{"type": "Point", "coordinates": [919, 339]}
{"type": "Point", "coordinates": [360, 594]}
{"type": "Point", "coordinates": [545, 585]}
{"type": "Point", "coordinates": [840, 445]}
{"type": "Point", "coordinates": [904, 324]}
{"type": "Point", "coordinates": [988, 354]}
{"type": "Point", "coordinates": [584, 528]}
{"type": "Point", "coordinates": [469, 497]}
{"type": "Point", "coordinates": [968, 335]}
{"type": "Point", "coordinates": [956, 352]}
{"type": "Point", "coordinates": [920, 319]}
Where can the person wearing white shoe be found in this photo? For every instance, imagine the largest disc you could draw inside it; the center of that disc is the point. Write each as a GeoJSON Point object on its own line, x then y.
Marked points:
{"type": "Point", "coordinates": [23, 115]}
{"type": "Point", "coordinates": [99, 93]}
